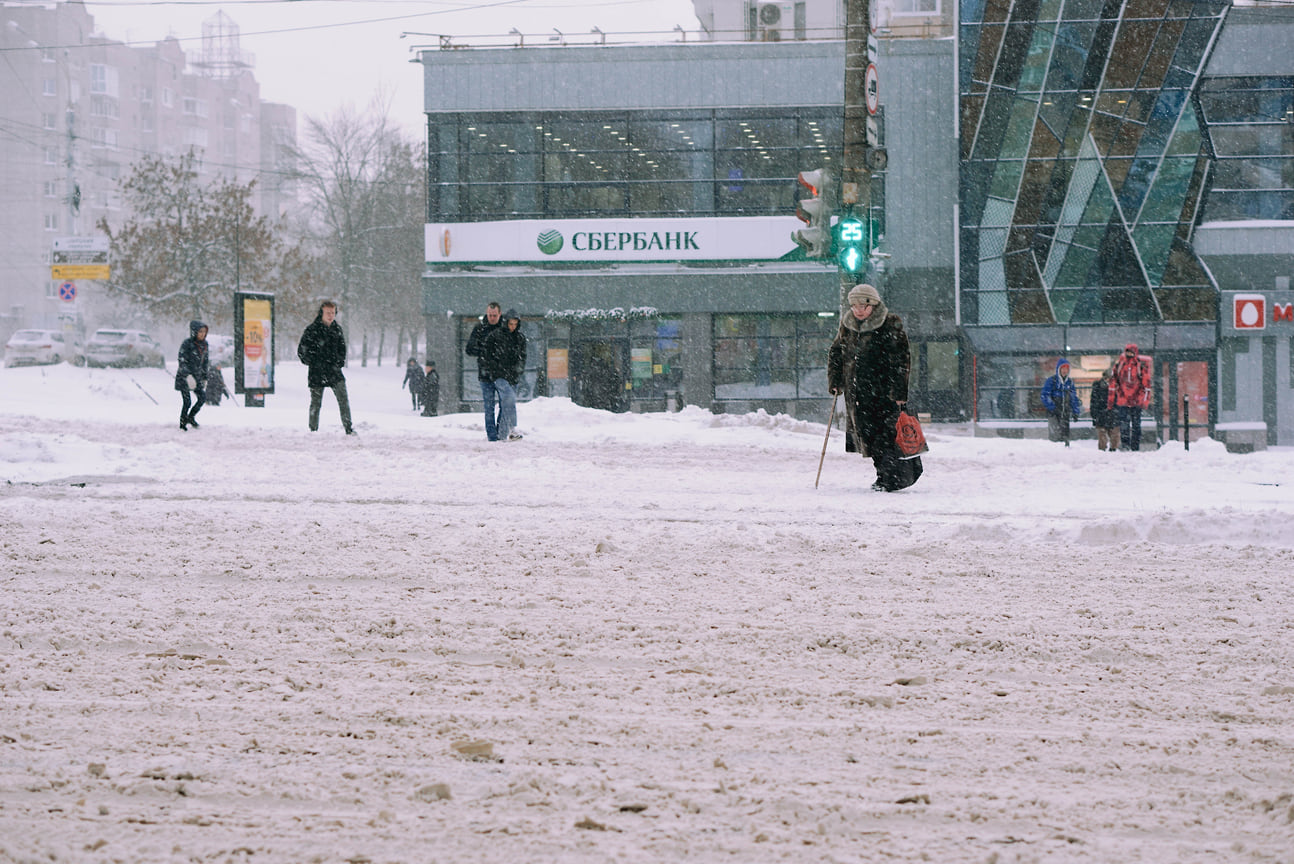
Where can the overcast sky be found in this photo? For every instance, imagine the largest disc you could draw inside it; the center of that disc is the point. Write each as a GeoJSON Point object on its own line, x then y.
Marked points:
{"type": "Point", "coordinates": [317, 55]}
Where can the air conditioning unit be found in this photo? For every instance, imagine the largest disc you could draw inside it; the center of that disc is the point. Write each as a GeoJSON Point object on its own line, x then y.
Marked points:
{"type": "Point", "coordinates": [775, 22]}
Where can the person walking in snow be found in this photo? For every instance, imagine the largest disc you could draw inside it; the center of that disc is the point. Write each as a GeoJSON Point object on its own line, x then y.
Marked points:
{"type": "Point", "coordinates": [1131, 386]}
{"type": "Point", "coordinates": [323, 350]}
{"type": "Point", "coordinates": [216, 388]}
{"type": "Point", "coordinates": [869, 364]}
{"type": "Point", "coordinates": [1104, 417]}
{"type": "Point", "coordinates": [476, 348]}
{"type": "Point", "coordinates": [431, 391]}
{"type": "Point", "coordinates": [504, 359]}
{"type": "Point", "coordinates": [191, 373]}
{"type": "Point", "coordinates": [1060, 398]}
{"type": "Point", "coordinates": [413, 377]}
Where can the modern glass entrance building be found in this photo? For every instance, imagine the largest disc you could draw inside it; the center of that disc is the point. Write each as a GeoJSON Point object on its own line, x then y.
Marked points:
{"type": "Point", "coordinates": [1083, 162]}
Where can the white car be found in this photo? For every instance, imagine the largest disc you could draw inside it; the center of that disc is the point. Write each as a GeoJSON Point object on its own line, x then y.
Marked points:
{"type": "Point", "coordinates": [220, 349]}
{"type": "Point", "coordinates": [38, 347]}
{"type": "Point", "coordinates": [110, 347]}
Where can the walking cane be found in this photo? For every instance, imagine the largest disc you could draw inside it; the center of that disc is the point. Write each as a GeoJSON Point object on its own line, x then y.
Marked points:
{"type": "Point", "coordinates": [830, 419]}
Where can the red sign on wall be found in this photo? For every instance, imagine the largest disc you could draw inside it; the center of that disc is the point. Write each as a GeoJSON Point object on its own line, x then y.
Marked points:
{"type": "Point", "coordinates": [1250, 311]}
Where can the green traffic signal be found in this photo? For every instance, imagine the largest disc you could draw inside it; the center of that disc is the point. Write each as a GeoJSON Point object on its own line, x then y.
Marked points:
{"type": "Point", "coordinates": [851, 245]}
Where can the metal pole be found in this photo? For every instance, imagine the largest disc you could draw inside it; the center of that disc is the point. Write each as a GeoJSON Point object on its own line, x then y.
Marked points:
{"type": "Point", "coordinates": [855, 174]}
{"type": "Point", "coordinates": [1186, 420]}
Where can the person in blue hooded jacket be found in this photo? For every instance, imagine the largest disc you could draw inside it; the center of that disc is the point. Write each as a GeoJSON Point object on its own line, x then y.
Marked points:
{"type": "Point", "coordinates": [1060, 398]}
{"type": "Point", "coordinates": [191, 373]}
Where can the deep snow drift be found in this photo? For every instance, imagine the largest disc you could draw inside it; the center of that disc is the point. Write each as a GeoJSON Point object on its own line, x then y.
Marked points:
{"type": "Point", "coordinates": [625, 638]}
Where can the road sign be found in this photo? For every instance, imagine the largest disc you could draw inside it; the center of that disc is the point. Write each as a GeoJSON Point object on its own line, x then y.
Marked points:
{"type": "Point", "coordinates": [872, 89]}
{"type": "Point", "coordinates": [93, 243]}
{"type": "Point", "coordinates": [79, 271]}
{"type": "Point", "coordinates": [80, 250]}
{"type": "Point", "coordinates": [67, 292]}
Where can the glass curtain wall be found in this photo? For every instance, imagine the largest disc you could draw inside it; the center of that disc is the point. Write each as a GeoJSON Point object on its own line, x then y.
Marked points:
{"type": "Point", "coordinates": [1083, 160]}
{"type": "Point", "coordinates": [565, 166]}
{"type": "Point", "coordinates": [759, 357]}
{"type": "Point", "coordinates": [1250, 123]}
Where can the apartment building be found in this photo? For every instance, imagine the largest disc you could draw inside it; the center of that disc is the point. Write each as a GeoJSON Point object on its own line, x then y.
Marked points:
{"type": "Point", "coordinates": [77, 109]}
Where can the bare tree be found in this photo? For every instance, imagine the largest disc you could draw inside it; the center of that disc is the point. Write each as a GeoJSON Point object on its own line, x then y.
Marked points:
{"type": "Point", "coordinates": [365, 184]}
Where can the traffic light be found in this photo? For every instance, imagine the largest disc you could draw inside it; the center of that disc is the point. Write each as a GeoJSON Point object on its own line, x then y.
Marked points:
{"type": "Point", "coordinates": [815, 211]}
{"type": "Point", "coordinates": [852, 245]}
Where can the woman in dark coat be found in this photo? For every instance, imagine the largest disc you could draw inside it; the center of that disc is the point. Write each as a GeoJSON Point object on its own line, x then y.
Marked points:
{"type": "Point", "coordinates": [216, 389]}
{"type": "Point", "coordinates": [869, 363]}
{"type": "Point", "coordinates": [414, 378]}
{"type": "Point", "coordinates": [1104, 417]}
{"type": "Point", "coordinates": [191, 373]}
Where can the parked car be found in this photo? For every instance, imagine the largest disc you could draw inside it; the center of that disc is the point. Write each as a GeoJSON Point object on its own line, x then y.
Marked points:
{"type": "Point", "coordinates": [37, 347]}
{"type": "Point", "coordinates": [109, 347]}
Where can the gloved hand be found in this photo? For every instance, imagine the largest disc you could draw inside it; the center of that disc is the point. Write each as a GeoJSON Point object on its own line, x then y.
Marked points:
{"type": "Point", "coordinates": [192, 382]}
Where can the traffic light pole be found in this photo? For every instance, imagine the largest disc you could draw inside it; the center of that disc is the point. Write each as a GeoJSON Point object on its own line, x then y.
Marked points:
{"type": "Point", "coordinates": [855, 173]}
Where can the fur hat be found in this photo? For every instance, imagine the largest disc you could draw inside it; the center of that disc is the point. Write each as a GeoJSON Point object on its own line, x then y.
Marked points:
{"type": "Point", "coordinates": [864, 293]}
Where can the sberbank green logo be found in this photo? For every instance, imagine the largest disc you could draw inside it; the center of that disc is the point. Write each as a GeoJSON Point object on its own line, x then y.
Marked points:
{"type": "Point", "coordinates": [550, 242]}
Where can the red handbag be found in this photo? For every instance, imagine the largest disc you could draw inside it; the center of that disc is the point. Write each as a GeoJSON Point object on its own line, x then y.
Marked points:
{"type": "Point", "coordinates": [909, 437]}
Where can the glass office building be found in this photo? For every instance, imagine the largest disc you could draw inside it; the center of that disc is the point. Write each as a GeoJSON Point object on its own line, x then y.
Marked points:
{"type": "Point", "coordinates": [1083, 160]}
{"type": "Point", "coordinates": [1084, 165]}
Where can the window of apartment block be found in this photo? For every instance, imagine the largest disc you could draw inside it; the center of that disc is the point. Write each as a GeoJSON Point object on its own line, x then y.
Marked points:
{"type": "Point", "coordinates": [145, 94]}
{"type": "Point", "coordinates": [51, 155]}
{"type": "Point", "coordinates": [103, 106]}
{"type": "Point", "coordinates": [915, 7]}
{"type": "Point", "coordinates": [51, 221]}
{"type": "Point", "coordinates": [47, 55]}
{"type": "Point", "coordinates": [195, 107]}
{"type": "Point", "coordinates": [49, 87]}
{"type": "Point", "coordinates": [50, 188]}
{"type": "Point", "coordinates": [168, 98]}
{"type": "Point", "coordinates": [48, 120]}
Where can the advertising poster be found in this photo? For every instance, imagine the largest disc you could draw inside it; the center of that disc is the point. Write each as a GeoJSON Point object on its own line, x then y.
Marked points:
{"type": "Point", "coordinates": [254, 345]}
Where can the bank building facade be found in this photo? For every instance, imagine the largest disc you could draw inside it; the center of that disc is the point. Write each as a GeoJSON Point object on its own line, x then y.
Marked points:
{"type": "Point", "coordinates": [1063, 177]}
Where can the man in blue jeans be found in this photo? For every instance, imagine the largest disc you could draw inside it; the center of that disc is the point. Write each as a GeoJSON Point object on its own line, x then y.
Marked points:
{"type": "Point", "coordinates": [505, 360]}
{"type": "Point", "coordinates": [476, 348]}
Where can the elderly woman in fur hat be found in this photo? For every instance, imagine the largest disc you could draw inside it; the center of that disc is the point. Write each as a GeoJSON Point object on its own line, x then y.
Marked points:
{"type": "Point", "coordinates": [869, 363]}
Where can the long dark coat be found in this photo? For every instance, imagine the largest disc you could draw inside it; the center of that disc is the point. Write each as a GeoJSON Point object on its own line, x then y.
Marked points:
{"type": "Point", "coordinates": [192, 360]}
{"type": "Point", "coordinates": [872, 368]}
{"type": "Point", "coordinates": [323, 349]}
{"type": "Point", "coordinates": [216, 388]}
{"type": "Point", "coordinates": [1103, 416]}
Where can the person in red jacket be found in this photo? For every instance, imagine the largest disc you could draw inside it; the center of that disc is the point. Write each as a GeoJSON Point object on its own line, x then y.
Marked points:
{"type": "Point", "coordinates": [1129, 393]}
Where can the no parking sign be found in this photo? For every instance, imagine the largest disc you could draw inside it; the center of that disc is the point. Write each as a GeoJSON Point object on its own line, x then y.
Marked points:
{"type": "Point", "coordinates": [67, 292]}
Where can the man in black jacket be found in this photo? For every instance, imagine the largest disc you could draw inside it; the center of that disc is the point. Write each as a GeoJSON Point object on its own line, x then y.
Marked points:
{"type": "Point", "coordinates": [504, 360]}
{"type": "Point", "coordinates": [323, 350]}
{"type": "Point", "coordinates": [476, 348]}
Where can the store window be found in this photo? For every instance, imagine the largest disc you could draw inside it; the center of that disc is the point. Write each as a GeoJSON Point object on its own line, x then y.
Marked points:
{"type": "Point", "coordinates": [569, 165]}
{"type": "Point", "coordinates": [766, 357]}
{"type": "Point", "coordinates": [656, 361]}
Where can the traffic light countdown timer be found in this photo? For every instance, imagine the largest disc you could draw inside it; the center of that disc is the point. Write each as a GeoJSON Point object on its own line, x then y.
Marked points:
{"type": "Point", "coordinates": [852, 245]}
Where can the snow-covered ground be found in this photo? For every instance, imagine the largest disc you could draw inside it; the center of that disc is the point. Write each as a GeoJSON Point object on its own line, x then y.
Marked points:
{"type": "Point", "coordinates": [641, 638]}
